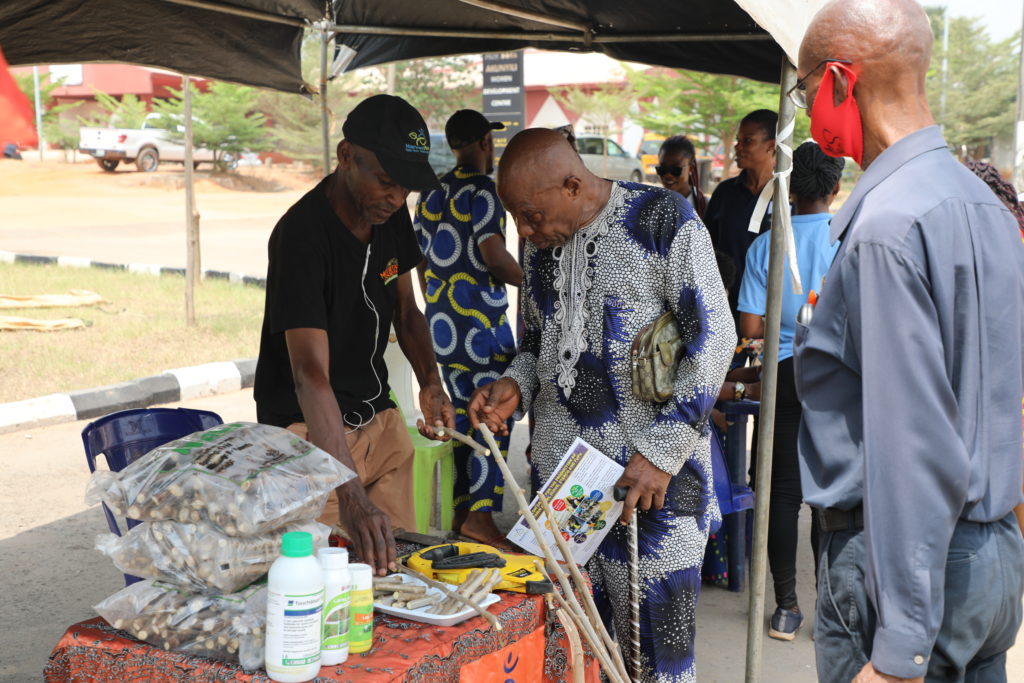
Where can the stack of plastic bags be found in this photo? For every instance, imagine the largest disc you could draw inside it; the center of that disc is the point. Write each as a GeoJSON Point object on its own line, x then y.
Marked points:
{"type": "Point", "coordinates": [214, 506]}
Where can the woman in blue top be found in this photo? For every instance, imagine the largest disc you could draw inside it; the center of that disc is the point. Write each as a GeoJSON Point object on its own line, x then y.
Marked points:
{"type": "Point", "coordinates": [814, 184]}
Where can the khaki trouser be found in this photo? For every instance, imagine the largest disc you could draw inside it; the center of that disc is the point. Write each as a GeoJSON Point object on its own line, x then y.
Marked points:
{"type": "Point", "coordinates": [383, 455]}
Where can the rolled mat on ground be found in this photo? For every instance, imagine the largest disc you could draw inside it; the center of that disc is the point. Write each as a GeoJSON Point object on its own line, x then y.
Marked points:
{"type": "Point", "coordinates": [14, 323]}
{"type": "Point", "coordinates": [74, 297]}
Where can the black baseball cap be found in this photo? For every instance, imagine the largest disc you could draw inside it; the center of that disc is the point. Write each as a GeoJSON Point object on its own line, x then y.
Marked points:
{"type": "Point", "coordinates": [392, 129]}
{"type": "Point", "coordinates": [466, 126]}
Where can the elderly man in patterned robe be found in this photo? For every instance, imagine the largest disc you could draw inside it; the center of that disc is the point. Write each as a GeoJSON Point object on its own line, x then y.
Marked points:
{"type": "Point", "coordinates": [605, 259]}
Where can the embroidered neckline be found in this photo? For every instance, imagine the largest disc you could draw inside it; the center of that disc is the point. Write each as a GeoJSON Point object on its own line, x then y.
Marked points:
{"type": "Point", "coordinates": [574, 276]}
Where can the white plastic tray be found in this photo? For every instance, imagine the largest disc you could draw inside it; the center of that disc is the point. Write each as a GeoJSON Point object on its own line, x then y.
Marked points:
{"type": "Point", "coordinates": [421, 614]}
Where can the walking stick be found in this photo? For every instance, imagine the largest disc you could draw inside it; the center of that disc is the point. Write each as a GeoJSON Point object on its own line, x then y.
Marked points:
{"type": "Point", "coordinates": [619, 493]}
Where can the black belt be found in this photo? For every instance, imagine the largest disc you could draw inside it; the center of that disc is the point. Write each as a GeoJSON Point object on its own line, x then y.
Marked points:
{"type": "Point", "coordinates": [834, 519]}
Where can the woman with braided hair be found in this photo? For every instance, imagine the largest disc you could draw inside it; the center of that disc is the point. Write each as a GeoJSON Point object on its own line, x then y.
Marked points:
{"type": "Point", "coordinates": [813, 185]}
{"type": "Point", "coordinates": [1003, 189]}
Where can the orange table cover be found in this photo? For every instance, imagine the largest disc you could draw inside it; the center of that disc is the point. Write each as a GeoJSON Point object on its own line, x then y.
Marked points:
{"type": "Point", "coordinates": [530, 648]}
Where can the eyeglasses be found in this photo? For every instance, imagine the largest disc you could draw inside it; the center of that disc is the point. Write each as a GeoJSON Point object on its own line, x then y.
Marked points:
{"type": "Point", "coordinates": [670, 170]}
{"type": "Point", "coordinates": [798, 93]}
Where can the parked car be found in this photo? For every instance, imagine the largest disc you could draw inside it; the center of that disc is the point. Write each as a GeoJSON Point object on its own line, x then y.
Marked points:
{"type": "Point", "coordinates": [649, 155]}
{"type": "Point", "coordinates": [441, 158]}
{"type": "Point", "coordinates": [146, 147]}
{"type": "Point", "coordinates": [616, 165]}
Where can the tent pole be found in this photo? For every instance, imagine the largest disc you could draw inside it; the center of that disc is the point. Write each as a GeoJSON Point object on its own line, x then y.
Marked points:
{"type": "Point", "coordinates": [325, 38]}
{"type": "Point", "coordinates": [191, 218]}
{"type": "Point", "coordinates": [530, 36]}
{"type": "Point", "coordinates": [530, 16]}
{"type": "Point", "coordinates": [769, 384]}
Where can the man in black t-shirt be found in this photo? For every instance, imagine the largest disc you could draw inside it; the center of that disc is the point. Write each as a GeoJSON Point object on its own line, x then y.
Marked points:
{"type": "Point", "coordinates": [338, 278]}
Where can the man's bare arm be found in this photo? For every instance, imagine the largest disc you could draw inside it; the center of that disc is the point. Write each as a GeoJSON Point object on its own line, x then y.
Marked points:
{"type": "Point", "coordinates": [414, 338]}
{"type": "Point", "coordinates": [369, 528]}
{"type": "Point", "coordinates": [501, 263]}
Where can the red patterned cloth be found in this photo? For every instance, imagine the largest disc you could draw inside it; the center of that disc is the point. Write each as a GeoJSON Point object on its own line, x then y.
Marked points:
{"type": "Point", "coordinates": [528, 649]}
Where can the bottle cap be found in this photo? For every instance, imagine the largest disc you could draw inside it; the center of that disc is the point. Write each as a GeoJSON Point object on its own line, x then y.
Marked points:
{"type": "Point", "coordinates": [362, 574]}
{"type": "Point", "coordinates": [333, 558]}
{"type": "Point", "coordinates": [297, 544]}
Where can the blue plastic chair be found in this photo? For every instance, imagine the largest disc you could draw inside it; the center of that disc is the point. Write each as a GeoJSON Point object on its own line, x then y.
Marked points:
{"type": "Point", "coordinates": [124, 437]}
{"type": "Point", "coordinates": [732, 497]}
{"type": "Point", "coordinates": [735, 459]}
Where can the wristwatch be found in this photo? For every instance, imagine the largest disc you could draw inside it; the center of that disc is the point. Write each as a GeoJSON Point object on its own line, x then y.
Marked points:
{"type": "Point", "coordinates": [740, 390]}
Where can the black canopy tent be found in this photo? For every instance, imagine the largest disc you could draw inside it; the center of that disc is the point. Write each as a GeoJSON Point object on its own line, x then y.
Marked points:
{"type": "Point", "coordinates": [257, 42]}
{"type": "Point", "coordinates": [717, 37]}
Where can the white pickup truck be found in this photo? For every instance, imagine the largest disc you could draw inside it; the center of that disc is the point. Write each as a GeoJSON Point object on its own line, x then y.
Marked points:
{"type": "Point", "coordinates": [146, 147]}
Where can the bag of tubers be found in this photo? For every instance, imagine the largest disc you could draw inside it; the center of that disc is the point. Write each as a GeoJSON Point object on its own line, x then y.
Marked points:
{"type": "Point", "coordinates": [228, 627]}
{"type": "Point", "coordinates": [246, 478]}
{"type": "Point", "coordinates": [198, 556]}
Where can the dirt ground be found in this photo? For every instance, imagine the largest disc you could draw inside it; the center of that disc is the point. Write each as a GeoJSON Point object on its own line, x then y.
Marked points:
{"type": "Point", "coordinates": [78, 210]}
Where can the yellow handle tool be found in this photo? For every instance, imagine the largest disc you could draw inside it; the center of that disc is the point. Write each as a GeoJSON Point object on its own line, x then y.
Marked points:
{"type": "Point", "coordinates": [452, 563]}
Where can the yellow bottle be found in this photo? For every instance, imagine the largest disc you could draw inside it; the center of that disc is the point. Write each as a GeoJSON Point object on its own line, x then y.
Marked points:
{"type": "Point", "coordinates": [360, 633]}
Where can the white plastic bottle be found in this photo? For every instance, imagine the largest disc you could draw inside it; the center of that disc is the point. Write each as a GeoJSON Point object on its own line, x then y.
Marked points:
{"type": "Point", "coordinates": [337, 596]}
{"type": "Point", "coordinates": [295, 602]}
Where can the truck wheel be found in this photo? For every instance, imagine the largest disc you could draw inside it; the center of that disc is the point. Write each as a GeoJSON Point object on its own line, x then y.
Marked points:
{"type": "Point", "coordinates": [636, 177]}
{"type": "Point", "coordinates": [108, 165]}
{"type": "Point", "coordinates": [148, 160]}
{"type": "Point", "coordinates": [195, 165]}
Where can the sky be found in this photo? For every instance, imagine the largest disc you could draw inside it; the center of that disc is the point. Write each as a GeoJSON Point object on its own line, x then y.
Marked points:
{"type": "Point", "coordinates": [1002, 18]}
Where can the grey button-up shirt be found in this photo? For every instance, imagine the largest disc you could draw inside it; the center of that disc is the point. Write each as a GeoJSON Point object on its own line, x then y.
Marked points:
{"type": "Point", "coordinates": [910, 374]}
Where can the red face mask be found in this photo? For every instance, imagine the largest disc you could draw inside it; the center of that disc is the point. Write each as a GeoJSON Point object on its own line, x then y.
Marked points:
{"type": "Point", "coordinates": [837, 129]}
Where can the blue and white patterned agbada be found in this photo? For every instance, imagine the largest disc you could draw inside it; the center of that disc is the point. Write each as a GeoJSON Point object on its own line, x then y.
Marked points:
{"type": "Point", "coordinates": [583, 304]}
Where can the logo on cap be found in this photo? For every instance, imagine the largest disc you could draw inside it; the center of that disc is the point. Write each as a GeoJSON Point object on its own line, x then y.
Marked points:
{"type": "Point", "coordinates": [420, 143]}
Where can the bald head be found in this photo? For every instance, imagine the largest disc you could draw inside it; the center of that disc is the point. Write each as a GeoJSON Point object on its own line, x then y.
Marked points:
{"type": "Point", "coordinates": [539, 156]}
{"type": "Point", "coordinates": [544, 185]}
{"type": "Point", "coordinates": [886, 38]}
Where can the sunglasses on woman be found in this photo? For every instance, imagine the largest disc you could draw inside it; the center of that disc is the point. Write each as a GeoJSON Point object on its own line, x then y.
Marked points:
{"type": "Point", "coordinates": [670, 170]}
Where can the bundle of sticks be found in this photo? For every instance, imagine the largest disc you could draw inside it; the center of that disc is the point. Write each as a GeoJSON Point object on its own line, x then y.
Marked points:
{"type": "Point", "coordinates": [583, 615]}
{"type": "Point", "coordinates": [394, 592]}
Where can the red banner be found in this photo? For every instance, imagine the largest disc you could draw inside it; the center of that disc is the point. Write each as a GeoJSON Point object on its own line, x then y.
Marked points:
{"type": "Point", "coordinates": [15, 112]}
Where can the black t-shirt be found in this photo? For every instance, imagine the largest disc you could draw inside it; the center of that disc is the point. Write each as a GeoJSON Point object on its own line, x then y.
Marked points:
{"type": "Point", "coordinates": [728, 217]}
{"type": "Point", "coordinates": [316, 279]}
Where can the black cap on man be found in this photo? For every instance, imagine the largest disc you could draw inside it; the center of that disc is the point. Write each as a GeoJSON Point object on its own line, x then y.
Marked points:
{"type": "Point", "coordinates": [395, 132]}
{"type": "Point", "coordinates": [467, 126]}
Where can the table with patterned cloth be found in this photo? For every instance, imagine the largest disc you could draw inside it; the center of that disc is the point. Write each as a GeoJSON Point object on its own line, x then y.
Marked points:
{"type": "Point", "coordinates": [531, 647]}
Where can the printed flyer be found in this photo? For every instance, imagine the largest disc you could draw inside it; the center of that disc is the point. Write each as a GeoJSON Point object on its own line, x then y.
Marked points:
{"type": "Point", "coordinates": [580, 492]}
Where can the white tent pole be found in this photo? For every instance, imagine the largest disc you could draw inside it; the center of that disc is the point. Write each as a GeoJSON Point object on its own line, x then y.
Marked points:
{"type": "Point", "coordinates": [191, 217]}
{"type": "Point", "coordinates": [41, 143]}
{"type": "Point", "coordinates": [769, 384]}
{"type": "Point", "coordinates": [325, 39]}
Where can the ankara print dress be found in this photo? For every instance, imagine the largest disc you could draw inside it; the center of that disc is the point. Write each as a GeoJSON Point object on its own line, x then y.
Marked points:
{"type": "Point", "coordinates": [583, 304]}
{"type": "Point", "coordinates": [466, 311]}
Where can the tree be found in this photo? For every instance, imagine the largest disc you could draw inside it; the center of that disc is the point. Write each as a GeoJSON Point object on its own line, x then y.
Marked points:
{"type": "Point", "coordinates": [437, 88]}
{"type": "Point", "coordinates": [602, 107]}
{"type": "Point", "coordinates": [706, 107]}
{"type": "Point", "coordinates": [980, 84]}
{"type": "Point", "coordinates": [294, 118]}
{"type": "Point", "coordinates": [57, 131]}
{"type": "Point", "coordinates": [224, 119]}
{"type": "Point", "coordinates": [127, 112]}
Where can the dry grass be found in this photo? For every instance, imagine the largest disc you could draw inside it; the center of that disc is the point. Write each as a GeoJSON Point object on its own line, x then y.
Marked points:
{"type": "Point", "coordinates": [140, 332]}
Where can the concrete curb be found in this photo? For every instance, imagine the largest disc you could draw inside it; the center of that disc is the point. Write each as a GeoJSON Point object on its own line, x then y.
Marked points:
{"type": "Point", "coordinates": [179, 384]}
{"type": "Point", "coordinates": [142, 268]}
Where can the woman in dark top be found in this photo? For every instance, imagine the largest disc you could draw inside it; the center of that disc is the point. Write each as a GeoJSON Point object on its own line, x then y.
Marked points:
{"type": "Point", "coordinates": [732, 203]}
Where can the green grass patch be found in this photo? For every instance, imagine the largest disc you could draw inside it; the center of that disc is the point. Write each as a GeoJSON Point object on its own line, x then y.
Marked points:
{"type": "Point", "coordinates": [140, 332]}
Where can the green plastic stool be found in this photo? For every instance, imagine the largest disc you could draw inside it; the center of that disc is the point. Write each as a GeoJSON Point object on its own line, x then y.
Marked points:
{"type": "Point", "coordinates": [428, 453]}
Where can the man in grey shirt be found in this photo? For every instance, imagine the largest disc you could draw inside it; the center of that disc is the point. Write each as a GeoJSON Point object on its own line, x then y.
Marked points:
{"type": "Point", "coordinates": [910, 374]}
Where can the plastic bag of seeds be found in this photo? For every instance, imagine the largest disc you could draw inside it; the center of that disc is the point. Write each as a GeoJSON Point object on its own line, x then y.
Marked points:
{"type": "Point", "coordinates": [198, 556]}
{"type": "Point", "coordinates": [227, 627]}
{"type": "Point", "coordinates": [246, 478]}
